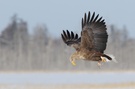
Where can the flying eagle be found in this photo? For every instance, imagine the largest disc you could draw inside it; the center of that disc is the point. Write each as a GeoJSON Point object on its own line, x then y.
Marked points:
{"type": "Point", "coordinates": [93, 40]}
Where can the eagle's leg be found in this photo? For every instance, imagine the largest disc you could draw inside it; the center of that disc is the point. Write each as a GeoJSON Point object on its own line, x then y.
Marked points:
{"type": "Point", "coordinates": [99, 64]}
{"type": "Point", "coordinates": [73, 58]}
{"type": "Point", "coordinates": [103, 59]}
{"type": "Point", "coordinates": [73, 63]}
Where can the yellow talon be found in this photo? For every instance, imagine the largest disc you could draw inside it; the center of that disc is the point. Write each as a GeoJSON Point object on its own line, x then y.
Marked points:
{"type": "Point", "coordinates": [73, 63]}
{"type": "Point", "coordinates": [103, 59]}
{"type": "Point", "coordinates": [99, 64]}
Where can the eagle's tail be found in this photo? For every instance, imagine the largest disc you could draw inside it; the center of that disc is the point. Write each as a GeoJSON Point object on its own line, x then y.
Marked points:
{"type": "Point", "coordinates": [109, 58]}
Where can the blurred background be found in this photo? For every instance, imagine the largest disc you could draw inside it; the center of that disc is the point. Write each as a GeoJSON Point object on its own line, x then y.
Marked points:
{"type": "Point", "coordinates": [33, 55]}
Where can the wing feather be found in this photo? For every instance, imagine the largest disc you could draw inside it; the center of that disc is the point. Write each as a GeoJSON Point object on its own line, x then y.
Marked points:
{"type": "Point", "coordinates": [68, 35]}
{"type": "Point", "coordinates": [94, 35]}
{"type": "Point", "coordinates": [72, 35]}
{"type": "Point", "coordinates": [71, 39]}
{"type": "Point", "coordinates": [93, 15]}
{"type": "Point", "coordinates": [88, 17]}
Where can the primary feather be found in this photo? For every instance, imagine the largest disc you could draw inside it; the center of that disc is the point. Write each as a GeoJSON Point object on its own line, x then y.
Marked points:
{"type": "Point", "coordinates": [94, 35]}
{"type": "Point", "coordinates": [71, 39]}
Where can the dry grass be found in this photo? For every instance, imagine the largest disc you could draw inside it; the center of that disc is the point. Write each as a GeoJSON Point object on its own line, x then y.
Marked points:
{"type": "Point", "coordinates": [77, 86]}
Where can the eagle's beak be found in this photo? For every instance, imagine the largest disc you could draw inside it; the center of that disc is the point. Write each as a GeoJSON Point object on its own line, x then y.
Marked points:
{"type": "Point", "coordinates": [73, 63]}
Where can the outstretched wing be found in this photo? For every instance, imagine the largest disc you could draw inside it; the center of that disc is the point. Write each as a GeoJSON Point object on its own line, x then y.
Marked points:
{"type": "Point", "coordinates": [71, 39]}
{"type": "Point", "coordinates": [94, 35]}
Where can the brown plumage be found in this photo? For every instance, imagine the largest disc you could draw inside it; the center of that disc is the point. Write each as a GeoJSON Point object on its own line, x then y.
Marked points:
{"type": "Point", "coordinates": [92, 43]}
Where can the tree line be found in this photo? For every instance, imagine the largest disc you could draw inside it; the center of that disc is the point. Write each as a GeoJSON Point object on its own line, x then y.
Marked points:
{"type": "Point", "coordinates": [20, 50]}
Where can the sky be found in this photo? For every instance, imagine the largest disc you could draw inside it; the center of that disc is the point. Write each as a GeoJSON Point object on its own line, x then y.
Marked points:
{"type": "Point", "coordinates": [60, 15]}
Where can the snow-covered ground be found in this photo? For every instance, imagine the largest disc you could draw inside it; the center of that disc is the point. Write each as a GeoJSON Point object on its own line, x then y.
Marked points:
{"type": "Point", "coordinates": [66, 77]}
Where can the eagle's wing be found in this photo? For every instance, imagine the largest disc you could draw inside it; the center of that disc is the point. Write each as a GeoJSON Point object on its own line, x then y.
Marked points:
{"type": "Point", "coordinates": [93, 35]}
{"type": "Point", "coordinates": [71, 39]}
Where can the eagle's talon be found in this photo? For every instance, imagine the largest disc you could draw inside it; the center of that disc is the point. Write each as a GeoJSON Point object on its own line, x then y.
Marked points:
{"type": "Point", "coordinates": [103, 59]}
{"type": "Point", "coordinates": [73, 63]}
{"type": "Point", "coordinates": [99, 64]}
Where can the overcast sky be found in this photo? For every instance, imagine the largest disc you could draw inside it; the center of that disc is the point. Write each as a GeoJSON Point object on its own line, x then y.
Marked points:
{"type": "Point", "coordinates": [67, 14]}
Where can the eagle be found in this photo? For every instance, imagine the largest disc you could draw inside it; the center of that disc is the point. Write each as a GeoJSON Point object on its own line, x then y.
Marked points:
{"type": "Point", "coordinates": [92, 42]}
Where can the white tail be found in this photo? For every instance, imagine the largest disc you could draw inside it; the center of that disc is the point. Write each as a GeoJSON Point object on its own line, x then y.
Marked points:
{"type": "Point", "coordinates": [113, 58]}
{"type": "Point", "coordinates": [107, 60]}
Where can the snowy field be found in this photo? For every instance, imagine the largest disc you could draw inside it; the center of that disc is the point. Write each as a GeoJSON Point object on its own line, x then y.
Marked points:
{"type": "Point", "coordinates": [67, 80]}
